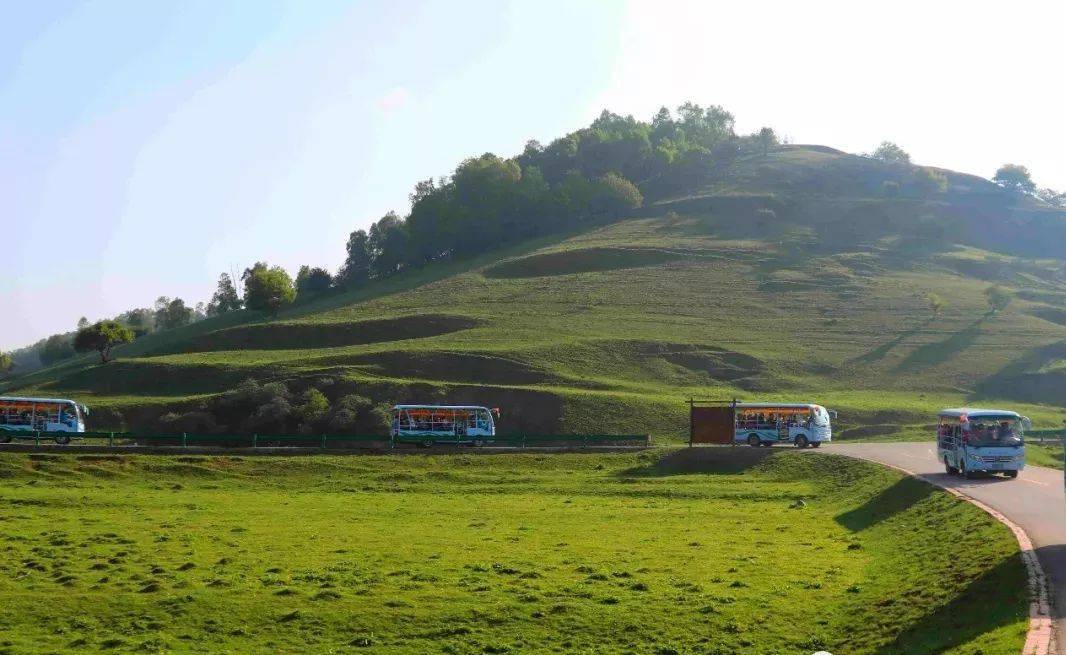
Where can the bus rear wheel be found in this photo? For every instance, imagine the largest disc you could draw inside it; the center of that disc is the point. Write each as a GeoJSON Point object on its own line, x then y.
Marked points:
{"type": "Point", "coordinates": [801, 441]}
{"type": "Point", "coordinates": [753, 440]}
{"type": "Point", "coordinates": [62, 439]}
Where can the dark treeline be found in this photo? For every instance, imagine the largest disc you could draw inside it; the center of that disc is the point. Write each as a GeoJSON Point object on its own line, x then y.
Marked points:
{"type": "Point", "coordinates": [594, 174]}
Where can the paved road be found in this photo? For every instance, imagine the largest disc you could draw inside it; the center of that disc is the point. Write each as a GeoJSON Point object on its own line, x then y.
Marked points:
{"type": "Point", "coordinates": [1034, 500]}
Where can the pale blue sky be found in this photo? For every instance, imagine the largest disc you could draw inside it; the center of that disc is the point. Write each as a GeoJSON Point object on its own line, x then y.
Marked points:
{"type": "Point", "coordinates": [147, 147]}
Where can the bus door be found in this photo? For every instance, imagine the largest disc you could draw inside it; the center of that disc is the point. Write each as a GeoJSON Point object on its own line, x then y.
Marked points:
{"type": "Point", "coordinates": [950, 441]}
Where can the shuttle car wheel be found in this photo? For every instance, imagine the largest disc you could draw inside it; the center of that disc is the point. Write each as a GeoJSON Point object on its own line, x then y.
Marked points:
{"type": "Point", "coordinates": [753, 440]}
{"type": "Point", "coordinates": [62, 439]}
{"type": "Point", "coordinates": [801, 441]}
{"type": "Point", "coordinates": [816, 444]}
{"type": "Point", "coordinates": [478, 443]}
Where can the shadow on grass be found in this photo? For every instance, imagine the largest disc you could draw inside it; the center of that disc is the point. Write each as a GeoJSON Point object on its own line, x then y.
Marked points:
{"type": "Point", "coordinates": [699, 459]}
{"type": "Point", "coordinates": [879, 353]}
{"type": "Point", "coordinates": [889, 502]}
{"type": "Point", "coordinates": [997, 598]}
{"type": "Point", "coordinates": [939, 352]}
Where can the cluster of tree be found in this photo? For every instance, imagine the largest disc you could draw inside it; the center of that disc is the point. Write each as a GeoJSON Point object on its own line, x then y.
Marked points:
{"type": "Point", "coordinates": [594, 174]}
{"type": "Point", "coordinates": [272, 408]}
{"type": "Point", "coordinates": [1017, 178]}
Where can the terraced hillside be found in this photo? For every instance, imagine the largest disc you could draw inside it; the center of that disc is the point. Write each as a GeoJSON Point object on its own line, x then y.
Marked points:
{"type": "Point", "coordinates": [796, 275]}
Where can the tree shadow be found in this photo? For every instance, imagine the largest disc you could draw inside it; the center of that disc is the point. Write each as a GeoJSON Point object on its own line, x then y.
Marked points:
{"type": "Point", "coordinates": [939, 352]}
{"type": "Point", "coordinates": [902, 495]}
{"type": "Point", "coordinates": [982, 606]}
{"type": "Point", "coordinates": [719, 460]}
{"type": "Point", "coordinates": [879, 353]}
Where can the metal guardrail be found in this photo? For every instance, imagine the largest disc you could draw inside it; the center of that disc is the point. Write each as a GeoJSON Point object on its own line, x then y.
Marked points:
{"type": "Point", "coordinates": [1041, 436]}
{"type": "Point", "coordinates": [324, 441]}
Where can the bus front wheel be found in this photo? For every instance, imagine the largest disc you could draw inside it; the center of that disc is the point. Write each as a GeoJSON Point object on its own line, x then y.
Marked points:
{"type": "Point", "coordinates": [1011, 474]}
{"type": "Point", "coordinates": [963, 471]}
{"type": "Point", "coordinates": [801, 441]}
{"type": "Point", "coordinates": [753, 440]}
{"type": "Point", "coordinates": [951, 470]}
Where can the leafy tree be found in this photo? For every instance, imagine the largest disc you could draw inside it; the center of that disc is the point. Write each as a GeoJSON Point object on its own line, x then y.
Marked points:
{"type": "Point", "coordinates": [356, 268]}
{"type": "Point", "coordinates": [387, 242]}
{"type": "Point", "coordinates": [312, 281]}
{"type": "Point", "coordinates": [767, 139]}
{"type": "Point", "coordinates": [83, 323]}
{"type": "Point", "coordinates": [170, 314]}
{"type": "Point", "coordinates": [102, 336]}
{"type": "Point", "coordinates": [929, 181]}
{"type": "Point", "coordinates": [890, 152]}
{"type": "Point", "coordinates": [998, 298]}
{"type": "Point", "coordinates": [55, 349]}
{"type": "Point", "coordinates": [141, 321]}
{"type": "Point", "coordinates": [6, 363]}
{"type": "Point", "coordinates": [936, 303]}
{"type": "Point", "coordinates": [1014, 178]}
{"type": "Point", "coordinates": [267, 289]}
{"type": "Point", "coordinates": [614, 195]}
{"type": "Point", "coordinates": [226, 299]}
{"type": "Point", "coordinates": [312, 411]}
{"type": "Point", "coordinates": [890, 188]}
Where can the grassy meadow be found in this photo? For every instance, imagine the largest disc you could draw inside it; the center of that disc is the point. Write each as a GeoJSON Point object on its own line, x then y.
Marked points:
{"type": "Point", "coordinates": [689, 551]}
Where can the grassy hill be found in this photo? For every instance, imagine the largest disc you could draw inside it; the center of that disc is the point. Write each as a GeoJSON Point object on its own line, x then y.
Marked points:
{"type": "Point", "coordinates": [794, 275]}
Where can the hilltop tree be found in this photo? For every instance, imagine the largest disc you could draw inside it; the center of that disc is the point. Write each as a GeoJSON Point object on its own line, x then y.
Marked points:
{"type": "Point", "coordinates": [226, 299]}
{"type": "Point", "coordinates": [170, 314]}
{"type": "Point", "coordinates": [83, 323]}
{"type": "Point", "coordinates": [356, 268]}
{"type": "Point", "coordinates": [6, 363]}
{"type": "Point", "coordinates": [267, 289]}
{"type": "Point", "coordinates": [767, 139]}
{"type": "Point", "coordinates": [102, 336]}
{"type": "Point", "coordinates": [998, 298]}
{"type": "Point", "coordinates": [929, 181]}
{"type": "Point", "coordinates": [387, 243]}
{"type": "Point", "coordinates": [312, 281]}
{"type": "Point", "coordinates": [1014, 178]}
{"type": "Point", "coordinates": [890, 152]}
{"type": "Point", "coordinates": [141, 321]}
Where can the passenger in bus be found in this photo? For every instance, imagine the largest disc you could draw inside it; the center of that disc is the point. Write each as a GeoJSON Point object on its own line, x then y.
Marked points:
{"type": "Point", "coordinates": [1004, 431]}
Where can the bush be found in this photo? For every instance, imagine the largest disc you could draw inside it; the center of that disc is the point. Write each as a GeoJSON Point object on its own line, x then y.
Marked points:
{"type": "Point", "coordinates": [196, 422]}
{"type": "Point", "coordinates": [890, 189]}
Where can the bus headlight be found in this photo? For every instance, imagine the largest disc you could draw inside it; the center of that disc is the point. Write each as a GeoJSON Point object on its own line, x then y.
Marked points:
{"type": "Point", "coordinates": [975, 457]}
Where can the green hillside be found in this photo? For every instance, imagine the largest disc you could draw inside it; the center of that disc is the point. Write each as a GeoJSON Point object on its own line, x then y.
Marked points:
{"type": "Point", "coordinates": [804, 273]}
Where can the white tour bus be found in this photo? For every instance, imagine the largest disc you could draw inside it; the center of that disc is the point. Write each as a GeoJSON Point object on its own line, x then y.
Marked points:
{"type": "Point", "coordinates": [57, 415]}
{"type": "Point", "coordinates": [764, 424]}
{"type": "Point", "coordinates": [428, 424]}
{"type": "Point", "coordinates": [970, 440]}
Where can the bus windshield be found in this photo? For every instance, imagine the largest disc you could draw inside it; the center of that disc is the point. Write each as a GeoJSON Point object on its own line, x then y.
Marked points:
{"type": "Point", "coordinates": [984, 431]}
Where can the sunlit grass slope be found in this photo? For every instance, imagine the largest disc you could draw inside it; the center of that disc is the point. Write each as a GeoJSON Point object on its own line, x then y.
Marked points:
{"type": "Point", "coordinates": [702, 551]}
{"type": "Point", "coordinates": [791, 278]}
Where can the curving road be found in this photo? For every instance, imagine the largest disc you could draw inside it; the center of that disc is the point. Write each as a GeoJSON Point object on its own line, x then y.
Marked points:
{"type": "Point", "coordinates": [1035, 501]}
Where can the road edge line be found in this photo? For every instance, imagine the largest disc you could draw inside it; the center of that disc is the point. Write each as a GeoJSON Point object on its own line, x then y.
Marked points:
{"type": "Point", "coordinates": [1038, 640]}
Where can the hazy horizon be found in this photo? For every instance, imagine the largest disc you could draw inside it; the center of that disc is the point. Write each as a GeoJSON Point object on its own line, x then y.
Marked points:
{"type": "Point", "coordinates": [156, 146]}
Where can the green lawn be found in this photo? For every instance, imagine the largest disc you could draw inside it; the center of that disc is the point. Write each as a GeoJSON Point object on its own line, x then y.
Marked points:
{"type": "Point", "coordinates": [691, 551]}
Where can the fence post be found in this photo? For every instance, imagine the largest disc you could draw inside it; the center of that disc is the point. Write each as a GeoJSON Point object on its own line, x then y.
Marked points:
{"type": "Point", "coordinates": [110, 439]}
{"type": "Point", "coordinates": [323, 442]}
{"type": "Point", "coordinates": [255, 441]}
{"type": "Point", "coordinates": [392, 441]}
{"type": "Point", "coordinates": [584, 441]}
{"type": "Point", "coordinates": [184, 440]}
{"type": "Point", "coordinates": [523, 439]}
{"type": "Point", "coordinates": [37, 438]}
